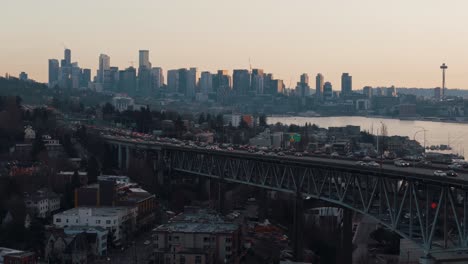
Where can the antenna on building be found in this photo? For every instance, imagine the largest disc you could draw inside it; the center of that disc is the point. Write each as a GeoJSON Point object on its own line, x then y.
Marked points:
{"type": "Point", "coordinates": [64, 46]}
{"type": "Point", "coordinates": [250, 65]}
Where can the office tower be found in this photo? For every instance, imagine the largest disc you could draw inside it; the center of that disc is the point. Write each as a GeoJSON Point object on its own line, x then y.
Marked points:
{"type": "Point", "coordinates": [327, 90]}
{"type": "Point", "coordinates": [172, 80]}
{"type": "Point", "coordinates": [157, 78]}
{"type": "Point", "coordinates": [128, 81]}
{"type": "Point", "coordinates": [367, 91]}
{"type": "Point", "coordinates": [302, 88]}
{"type": "Point", "coordinates": [346, 84]}
{"type": "Point", "coordinates": [182, 81]}
{"type": "Point", "coordinates": [305, 78]}
{"type": "Point", "coordinates": [206, 83]}
{"type": "Point", "coordinates": [111, 79]}
{"type": "Point", "coordinates": [222, 81]}
{"type": "Point", "coordinates": [391, 91]}
{"type": "Point", "coordinates": [276, 87]}
{"type": "Point", "coordinates": [104, 64]}
{"type": "Point", "coordinates": [319, 86]}
{"type": "Point", "coordinates": [85, 77]}
{"type": "Point", "coordinates": [75, 76]}
{"type": "Point", "coordinates": [144, 80]}
{"type": "Point", "coordinates": [23, 76]}
{"type": "Point", "coordinates": [144, 59]}
{"type": "Point", "coordinates": [192, 82]}
{"type": "Point", "coordinates": [267, 83]}
{"type": "Point", "coordinates": [53, 72]}
{"type": "Point", "coordinates": [67, 57]}
{"type": "Point", "coordinates": [437, 93]}
{"type": "Point", "coordinates": [241, 81]}
{"type": "Point", "coordinates": [257, 81]}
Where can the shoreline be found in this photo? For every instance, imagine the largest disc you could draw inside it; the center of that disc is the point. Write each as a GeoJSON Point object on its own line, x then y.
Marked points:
{"type": "Point", "coordinates": [425, 119]}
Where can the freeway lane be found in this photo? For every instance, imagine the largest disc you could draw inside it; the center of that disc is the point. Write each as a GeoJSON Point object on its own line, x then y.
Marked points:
{"type": "Point", "coordinates": [389, 170]}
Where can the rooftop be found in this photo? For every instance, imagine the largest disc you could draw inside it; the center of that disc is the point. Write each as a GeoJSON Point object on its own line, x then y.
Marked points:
{"type": "Point", "coordinates": [184, 227]}
{"type": "Point", "coordinates": [96, 211]}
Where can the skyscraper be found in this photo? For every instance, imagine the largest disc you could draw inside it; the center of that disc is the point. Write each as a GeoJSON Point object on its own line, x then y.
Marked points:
{"type": "Point", "coordinates": [157, 77]}
{"type": "Point", "coordinates": [221, 81]}
{"type": "Point", "coordinates": [206, 83]}
{"type": "Point", "coordinates": [305, 78]}
{"type": "Point", "coordinates": [144, 59]}
{"type": "Point", "coordinates": [172, 80]}
{"type": "Point", "coordinates": [75, 75]}
{"type": "Point", "coordinates": [367, 91]}
{"type": "Point", "coordinates": [319, 86]}
{"type": "Point", "coordinates": [127, 80]}
{"type": "Point", "coordinates": [85, 77]}
{"type": "Point", "coordinates": [67, 57]}
{"type": "Point", "coordinates": [241, 81]}
{"type": "Point", "coordinates": [53, 72]}
{"type": "Point", "coordinates": [257, 81]}
{"type": "Point", "coordinates": [104, 64]}
{"type": "Point", "coordinates": [327, 91]}
{"type": "Point", "coordinates": [346, 84]}
{"type": "Point", "coordinates": [192, 82]}
{"type": "Point", "coordinates": [302, 88]}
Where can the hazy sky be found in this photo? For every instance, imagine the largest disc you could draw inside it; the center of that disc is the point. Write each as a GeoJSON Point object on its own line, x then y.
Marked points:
{"type": "Point", "coordinates": [379, 42]}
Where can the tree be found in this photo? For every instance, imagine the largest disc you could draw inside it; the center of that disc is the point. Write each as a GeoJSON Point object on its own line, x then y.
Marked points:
{"type": "Point", "coordinates": [201, 118]}
{"type": "Point", "coordinates": [243, 124]}
{"type": "Point", "coordinates": [263, 120]}
{"type": "Point", "coordinates": [38, 146]}
{"type": "Point", "coordinates": [92, 169]}
{"type": "Point", "coordinates": [76, 183]}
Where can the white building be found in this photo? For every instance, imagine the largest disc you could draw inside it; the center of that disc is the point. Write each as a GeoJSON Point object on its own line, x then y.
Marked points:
{"type": "Point", "coordinates": [234, 119]}
{"type": "Point", "coordinates": [122, 103]}
{"type": "Point", "coordinates": [42, 203]}
{"type": "Point", "coordinates": [120, 221]}
{"type": "Point", "coordinates": [206, 83]}
{"type": "Point", "coordinates": [29, 134]}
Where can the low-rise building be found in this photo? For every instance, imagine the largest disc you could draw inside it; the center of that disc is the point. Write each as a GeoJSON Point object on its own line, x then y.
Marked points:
{"type": "Point", "coordinates": [42, 203]}
{"type": "Point", "coordinates": [119, 221]}
{"type": "Point", "coordinates": [100, 233]}
{"type": "Point", "coordinates": [122, 103]}
{"type": "Point", "coordinates": [13, 256]}
{"type": "Point", "coordinates": [197, 237]}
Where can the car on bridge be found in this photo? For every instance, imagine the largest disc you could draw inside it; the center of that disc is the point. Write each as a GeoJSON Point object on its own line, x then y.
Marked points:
{"type": "Point", "coordinates": [451, 173]}
{"type": "Point", "coordinates": [373, 164]}
{"type": "Point", "coordinates": [401, 163]}
{"type": "Point", "coordinates": [440, 173]}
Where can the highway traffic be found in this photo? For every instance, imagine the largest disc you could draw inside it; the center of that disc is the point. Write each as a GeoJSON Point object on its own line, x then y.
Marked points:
{"type": "Point", "coordinates": [399, 168]}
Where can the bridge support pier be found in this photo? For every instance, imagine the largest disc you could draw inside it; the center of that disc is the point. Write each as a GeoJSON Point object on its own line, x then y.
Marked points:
{"type": "Point", "coordinates": [427, 260]}
{"type": "Point", "coordinates": [127, 157]}
{"type": "Point", "coordinates": [298, 229]}
{"type": "Point", "coordinates": [119, 153]}
{"type": "Point", "coordinates": [346, 245]}
{"type": "Point", "coordinates": [221, 194]}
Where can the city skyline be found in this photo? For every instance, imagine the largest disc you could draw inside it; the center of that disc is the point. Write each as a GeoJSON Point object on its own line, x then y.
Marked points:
{"type": "Point", "coordinates": [404, 49]}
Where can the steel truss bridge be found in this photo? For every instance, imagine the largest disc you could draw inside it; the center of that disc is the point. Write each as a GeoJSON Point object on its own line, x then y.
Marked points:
{"type": "Point", "coordinates": [430, 210]}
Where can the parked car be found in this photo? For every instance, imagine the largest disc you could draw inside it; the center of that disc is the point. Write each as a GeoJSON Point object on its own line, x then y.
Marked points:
{"type": "Point", "coordinates": [439, 173]}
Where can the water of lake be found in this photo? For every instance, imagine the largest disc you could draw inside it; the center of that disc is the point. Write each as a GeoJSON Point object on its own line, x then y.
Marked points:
{"type": "Point", "coordinates": [437, 133]}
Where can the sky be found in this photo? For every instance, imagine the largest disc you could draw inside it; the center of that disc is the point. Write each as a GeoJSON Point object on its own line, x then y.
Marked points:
{"type": "Point", "coordinates": [379, 42]}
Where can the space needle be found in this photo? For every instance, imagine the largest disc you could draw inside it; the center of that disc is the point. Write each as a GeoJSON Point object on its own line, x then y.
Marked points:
{"type": "Point", "coordinates": [443, 67]}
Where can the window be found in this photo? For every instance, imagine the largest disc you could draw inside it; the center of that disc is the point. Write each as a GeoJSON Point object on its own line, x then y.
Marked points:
{"type": "Point", "coordinates": [170, 238]}
{"type": "Point", "coordinates": [58, 220]}
{"type": "Point", "coordinates": [228, 240]}
{"type": "Point", "coordinates": [156, 237]}
{"type": "Point", "coordinates": [176, 238]}
{"type": "Point", "coordinates": [67, 220]}
{"type": "Point", "coordinates": [197, 259]}
{"type": "Point", "coordinates": [108, 222]}
{"type": "Point", "coordinates": [228, 248]}
{"type": "Point", "coordinates": [182, 259]}
{"type": "Point", "coordinates": [98, 221]}
{"type": "Point", "coordinates": [206, 239]}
